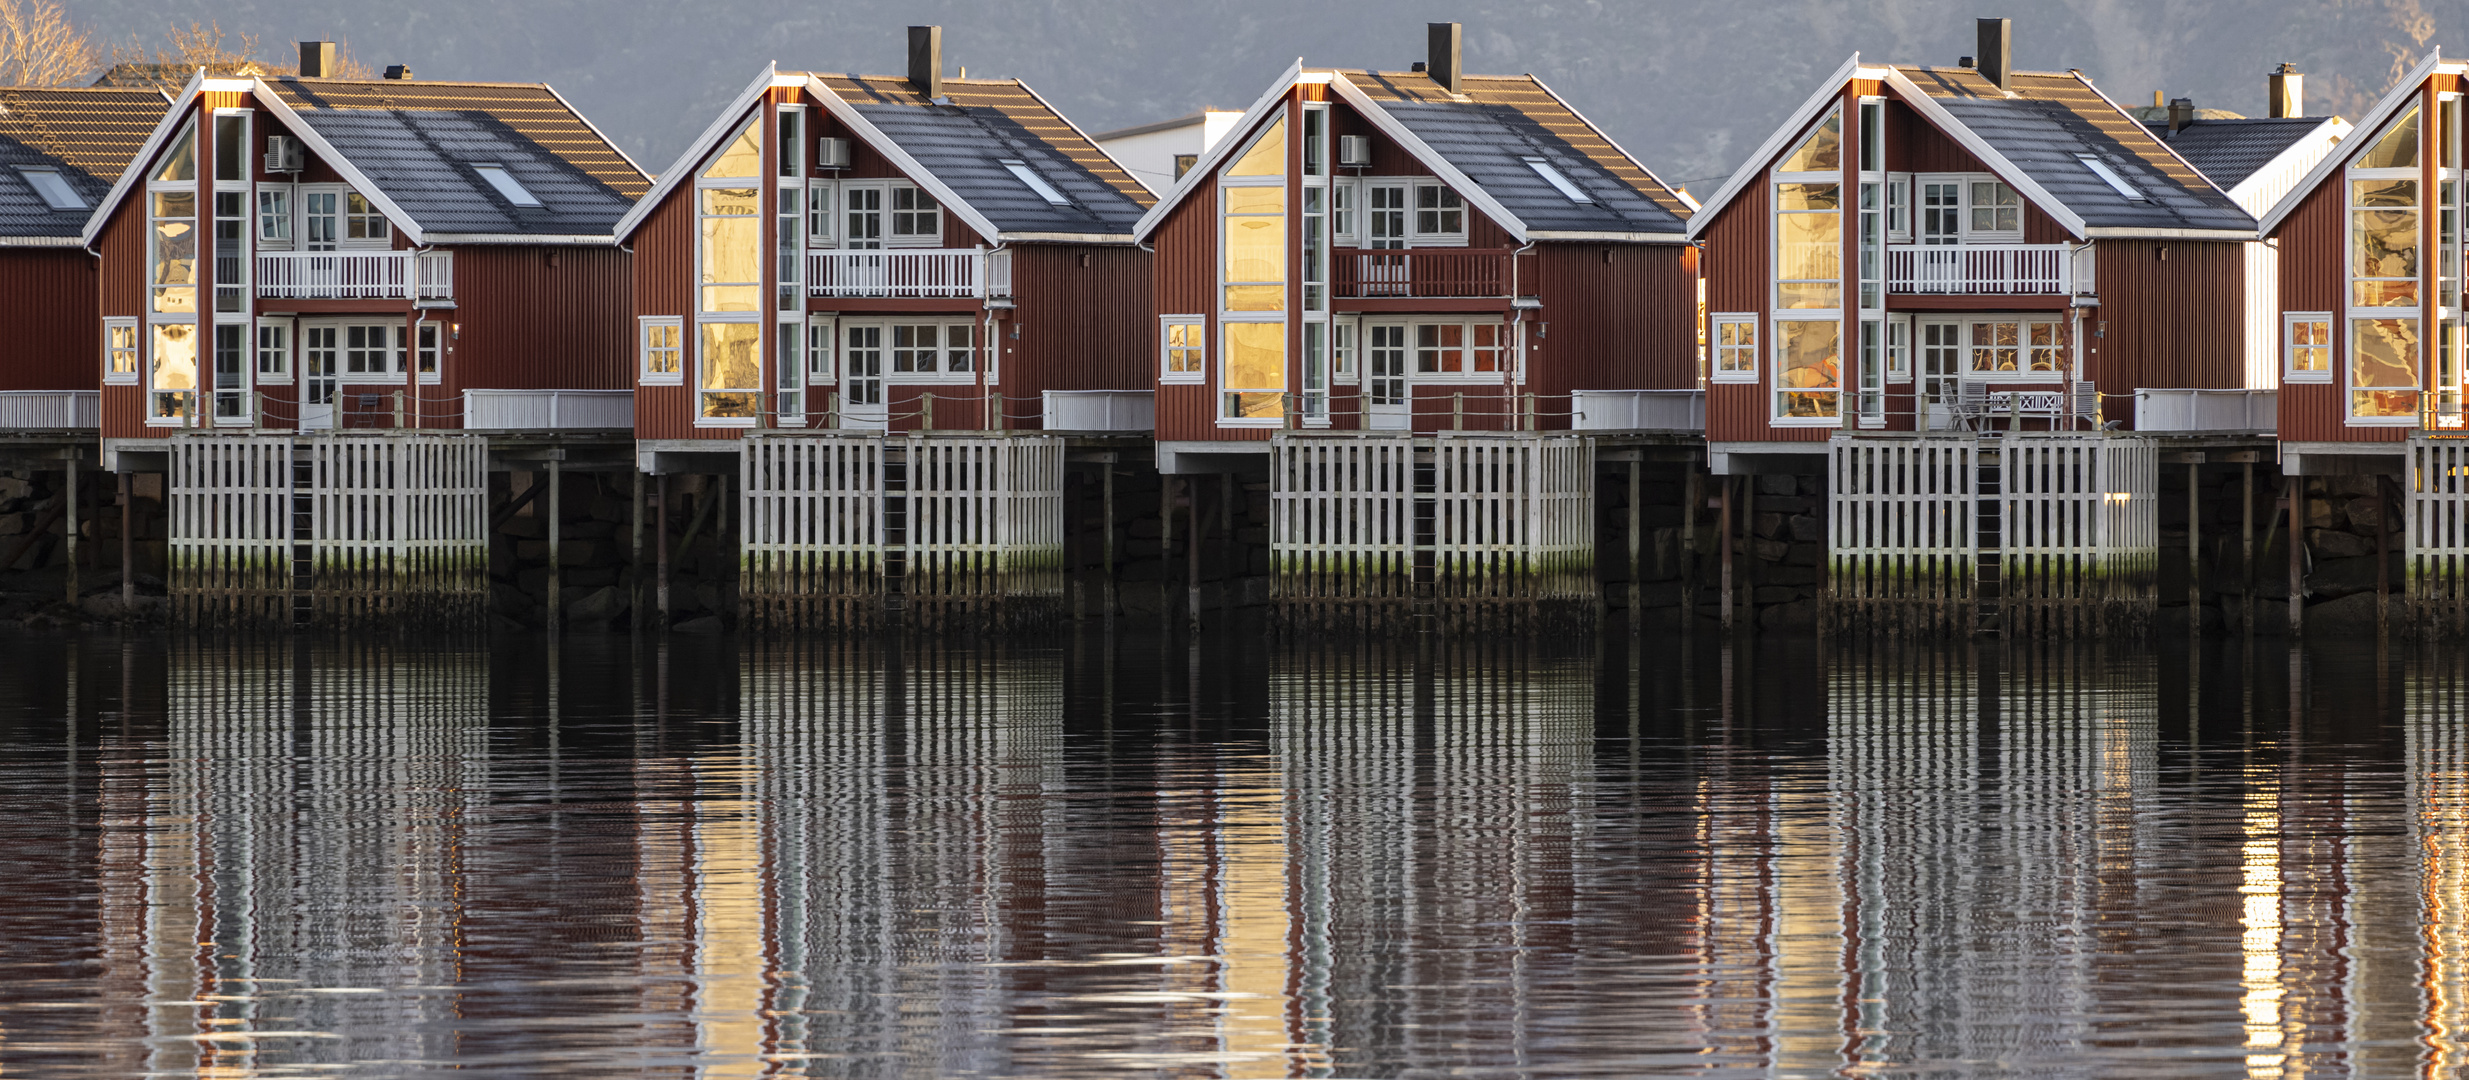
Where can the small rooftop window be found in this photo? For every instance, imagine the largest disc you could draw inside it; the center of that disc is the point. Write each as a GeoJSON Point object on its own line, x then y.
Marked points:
{"type": "Point", "coordinates": [507, 185]}
{"type": "Point", "coordinates": [54, 189]}
{"type": "Point", "coordinates": [1036, 183]}
{"type": "Point", "coordinates": [2101, 169]}
{"type": "Point", "coordinates": [1547, 171]}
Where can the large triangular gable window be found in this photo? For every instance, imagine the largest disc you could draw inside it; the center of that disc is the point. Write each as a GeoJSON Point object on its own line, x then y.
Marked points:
{"type": "Point", "coordinates": [1808, 275]}
{"type": "Point", "coordinates": [1252, 269]}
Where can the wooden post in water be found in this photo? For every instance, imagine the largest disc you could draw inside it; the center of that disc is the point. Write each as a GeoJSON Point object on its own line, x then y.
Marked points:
{"type": "Point", "coordinates": [2246, 555]}
{"type": "Point", "coordinates": [68, 527]}
{"type": "Point", "coordinates": [557, 495]}
{"type": "Point", "coordinates": [2383, 561]}
{"type": "Point", "coordinates": [2194, 549]}
{"type": "Point", "coordinates": [1227, 555]}
{"type": "Point", "coordinates": [660, 519]}
{"type": "Point", "coordinates": [128, 541]}
{"type": "Point", "coordinates": [1723, 538]}
{"type": "Point", "coordinates": [1108, 511]}
{"type": "Point", "coordinates": [1192, 547]}
{"type": "Point", "coordinates": [2297, 556]}
{"type": "Point", "coordinates": [1165, 545]}
{"type": "Point", "coordinates": [1637, 518]}
{"type": "Point", "coordinates": [634, 557]}
{"type": "Point", "coordinates": [1692, 500]}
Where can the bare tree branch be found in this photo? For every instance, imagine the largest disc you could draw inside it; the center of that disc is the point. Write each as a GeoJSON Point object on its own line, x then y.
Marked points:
{"type": "Point", "coordinates": [39, 47]}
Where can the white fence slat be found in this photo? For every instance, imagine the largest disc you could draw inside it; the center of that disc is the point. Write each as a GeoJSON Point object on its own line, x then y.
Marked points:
{"type": "Point", "coordinates": [2438, 532]}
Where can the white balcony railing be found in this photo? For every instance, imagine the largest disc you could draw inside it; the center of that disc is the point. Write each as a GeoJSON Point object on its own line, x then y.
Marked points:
{"type": "Point", "coordinates": [356, 275]}
{"type": "Point", "coordinates": [914, 274]}
{"type": "Point", "coordinates": [547, 410]}
{"type": "Point", "coordinates": [1986, 270]}
{"type": "Point", "coordinates": [1100, 410]}
{"type": "Point", "coordinates": [51, 410]}
{"type": "Point", "coordinates": [1638, 410]}
{"type": "Point", "coordinates": [2246, 411]}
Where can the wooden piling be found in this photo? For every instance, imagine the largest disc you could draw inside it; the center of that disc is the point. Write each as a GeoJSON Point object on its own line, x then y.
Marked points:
{"type": "Point", "coordinates": [128, 541]}
{"type": "Point", "coordinates": [660, 516]}
{"type": "Point", "coordinates": [1637, 591]}
{"type": "Point", "coordinates": [2194, 549]}
{"type": "Point", "coordinates": [2297, 556]}
{"type": "Point", "coordinates": [634, 557]}
{"type": "Point", "coordinates": [557, 516]}
{"type": "Point", "coordinates": [1108, 499]}
{"type": "Point", "coordinates": [68, 527]}
{"type": "Point", "coordinates": [1723, 539]}
{"type": "Point", "coordinates": [2246, 552]}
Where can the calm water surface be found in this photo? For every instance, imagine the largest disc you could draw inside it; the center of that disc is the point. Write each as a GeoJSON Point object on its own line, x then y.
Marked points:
{"type": "Point", "coordinates": [1148, 855]}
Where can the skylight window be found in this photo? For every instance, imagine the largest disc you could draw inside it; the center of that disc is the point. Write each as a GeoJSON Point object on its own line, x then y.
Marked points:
{"type": "Point", "coordinates": [507, 185]}
{"type": "Point", "coordinates": [54, 189]}
{"type": "Point", "coordinates": [2101, 169]}
{"type": "Point", "coordinates": [1546, 170]}
{"type": "Point", "coordinates": [1036, 183]}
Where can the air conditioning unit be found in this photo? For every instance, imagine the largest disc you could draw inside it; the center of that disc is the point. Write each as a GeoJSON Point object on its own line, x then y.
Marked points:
{"type": "Point", "coordinates": [1354, 151]}
{"type": "Point", "coordinates": [283, 154]}
{"type": "Point", "coordinates": [831, 154]}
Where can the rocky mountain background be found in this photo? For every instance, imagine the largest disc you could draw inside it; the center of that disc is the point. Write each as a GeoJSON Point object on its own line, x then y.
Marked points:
{"type": "Point", "coordinates": [1689, 86]}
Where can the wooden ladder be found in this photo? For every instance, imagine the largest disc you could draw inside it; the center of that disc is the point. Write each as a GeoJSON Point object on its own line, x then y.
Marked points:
{"type": "Point", "coordinates": [303, 533]}
{"type": "Point", "coordinates": [1988, 534]}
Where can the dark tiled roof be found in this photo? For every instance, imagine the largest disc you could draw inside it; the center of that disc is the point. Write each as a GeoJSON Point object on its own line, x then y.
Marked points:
{"type": "Point", "coordinates": [1506, 119]}
{"type": "Point", "coordinates": [2230, 150]}
{"type": "Point", "coordinates": [963, 145]}
{"type": "Point", "coordinates": [88, 134]}
{"type": "Point", "coordinates": [2051, 118]}
{"type": "Point", "coordinates": [417, 141]}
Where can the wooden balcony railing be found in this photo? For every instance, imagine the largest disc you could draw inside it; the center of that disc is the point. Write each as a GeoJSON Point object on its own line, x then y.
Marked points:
{"type": "Point", "coordinates": [1420, 273]}
{"type": "Point", "coordinates": [1986, 270]}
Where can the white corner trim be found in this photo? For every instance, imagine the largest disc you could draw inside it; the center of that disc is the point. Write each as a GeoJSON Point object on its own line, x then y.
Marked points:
{"type": "Point", "coordinates": [1206, 168]}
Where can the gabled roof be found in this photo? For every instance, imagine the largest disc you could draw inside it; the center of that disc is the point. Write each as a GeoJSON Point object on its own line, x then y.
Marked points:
{"type": "Point", "coordinates": [1478, 142]}
{"type": "Point", "coordinates": [2035, 138]}
{"type": "Point", "coordinates": [411, 147]}
{"type": "Point", "coordinates": [86, 135]}
{"type": "Point", "coordinates": [2230, 150]}
{"type": "Point", "coordinates": [956, 147]}
{"type": "Point", "coordinates": [2402, 94]}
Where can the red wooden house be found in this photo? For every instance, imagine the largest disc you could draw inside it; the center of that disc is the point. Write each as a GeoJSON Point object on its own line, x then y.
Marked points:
{"type": "Point", "coordinates": [1423, 250]}
{"type": "Point", "coordinates": [304, 253]}
{"type": "Point", "coordinates": [1963, 248]}
{"type": "Point", "coordinates": [941, 253]}
{"type": "Point", "coordinates": [2371, 342]}
{"type": "Point", "coordinates": [60, 151]}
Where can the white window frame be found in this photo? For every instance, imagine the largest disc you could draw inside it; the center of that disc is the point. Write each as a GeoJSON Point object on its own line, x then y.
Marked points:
{"type": "Point", "coordinates": [243, 288]}
{"type": "Point", "coordinates": [1774, 333]}
{"type": "Point", "coordinates": [765, 241]}
{"type": "Point", "coordinates": [755, 319]}
{"type": "Point", "coordinates": [643, 350]}
{"type": "Point", "coordinates": [1289, 122]}
{"type": "Point", "coordinates": [943, 375]}
{"type": "Point", "coordinates": [209, 375]}
{"type": "Point", "coordinates": [1345, 212]}
{"type": "Point", "coordinates": [1714, 340]}
{"type": "Point", "coordinates": [284, 350]}
{"type": "Point", "coordinates": [197, 373]}
{"type": "Point", "coordinates": [394, 361]}
{"type": "Point", "coordinates": [822, 353]}
{"type": "Point", "coordinates": [1416, 236]}
{"type": "Point", "coordinates": [1403, 237]}
{"type": "Point", "coordinates": [301, 194]}
{"type": "Point", "coordinates": [892, 238]}
{"type": "Point", "coordinates": [1345, 347]}
{"type": "Point", "coordinates": [1900, 212]}
{"type": "Point", "coordinates": [2024, 322]}
{"type": "Point", "coordinates": [1899, 337]}
{"type": "Point", "coordinates": [1504, 341]}
{"type": "Point", "coordinates": [789, 387]}
{"type": "Point", "coordinates": [2344, 358]}
{"type": "Point", "coordinates": [822, 213]}
{"type": "Point", "coordinates": [1972, 235]}
{"type": "Point", "coordinates": [135, 351]}
{"type": "Point", "coordinates": [1165, 325]}
{"type": "Point", "coordinates": [343, 223]}
{"type": "Point", "coordinates": [2289, 372]}
{"type": "Point", "coordinates": [273, 203]}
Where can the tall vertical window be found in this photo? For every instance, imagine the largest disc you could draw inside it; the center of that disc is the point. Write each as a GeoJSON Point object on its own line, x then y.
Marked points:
{"type": "Point", "coordinates": [789, 150]}
{"type": "Point", "coordinates": [729, 281]}
{"type": "Point", "coordinates": [789, 372]}
{"type": "Point", "coordinates": [171, 279]}
{"type": "Point", "coordinates": [171, 372]}
{"type": "Point", "coordinates": [1386, 215]}
{"type": "Point", "coordinates": [1315, 192]}
{"type": "Point", "coordinates": [428, 351]}
{"type": "Point", "coordinates": [1252, 209]}
{"type": "Point", "coordinates": [231, 373]}
{"type": "Point", "coordinates": [2385, 189]}
{"type": "Point", "coordinates": [232, 212]}
{"type": "Point", "coordinates": [819, 337]}
{"type": "Point", "coordinates": [1342, 196]}
{"type": "Point", "coordinates": [1808, 261]}
{"type": "Point", "coordinates": [1871, 238]}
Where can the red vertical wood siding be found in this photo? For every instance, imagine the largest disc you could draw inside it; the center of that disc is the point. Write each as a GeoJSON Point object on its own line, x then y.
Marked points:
{"type": "Point", "coordinates": [542, 317]}
{"type": "Point", "coordinates": [663, 276]}
{"type": "Point", "coordinates": [1621, 317]}
{"type": "Point", "coordinates": [1086, 322]}
{"type": "Point", "coordinates": [2177, 322]}
{"type": "Point", "coordinates": [121, 273]}
{"type": "Point", "coordinates": [1186, 274]}
{"type": "Point", "coordinates": [1738, 274]}
{"type": "Point", "coordinates": [2313, 277]}
{"type": "Point", "coordinates": [49, 300]}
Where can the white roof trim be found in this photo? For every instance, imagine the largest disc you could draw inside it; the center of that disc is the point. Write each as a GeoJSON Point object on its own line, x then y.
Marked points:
{"type": "Point", "coordinates": [1065, 238]}
{"type": "Point", "coordinates": [2328, 133]}
{"type": "Point", "coordinates": [1206, 168]}
{"type": "Point", "coordinates": [39, 241]}
{"type": "Point", "coordinates": [359, 181]}
{"type": "Point", "coordinates": [1755, 165]}
{"type": "Point", "coordinates": [134, 172]}
{"type": "Point", "coordinates": [683, 169]}
{"type": "Point", "coordinates": [581, 239]}
{"type": "Point", "coordinates": [1929, 108]}
{"type": "Point", "coordinates": [1467, 189]}
{"type": "Point", "coordinates": [909, 166]}
{"type": "Point", "coordinates": [1626, 237]}
{"type": "Point", "coordinates": [2134, 232]}
{"type": "Point", "coordinates": [2404, 92]}
{"type": "Point", "coordinates": [1685, 200]}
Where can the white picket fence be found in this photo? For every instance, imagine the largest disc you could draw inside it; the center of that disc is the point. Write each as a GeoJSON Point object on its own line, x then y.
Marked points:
{"type": "Point", "coordinates": [2081, 532]}
{"type": "Point", "coordinates": [1341, 518]}
{"type": "Point", "coordinates": [230, 528]}
{"type": "Point", "coordinates": [1903, 544]}
{"type": "Point", "coordinates": [51, 410]}
{"type": "Point", "coordinates": [397, 527]}
{"type": "Point", "coordinates": [2077, 538]}
{"type": "Point", "coordinates": [977, 521]}
{"type": "Point", "coordinates": [1512, 520]}
{"type": "Point", "coordinates": [2438, 528]}
{"type": "Point", "coordinates": [547, 410]}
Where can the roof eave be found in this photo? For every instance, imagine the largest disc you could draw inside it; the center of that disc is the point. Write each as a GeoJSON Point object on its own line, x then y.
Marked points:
{"type": "Point", "coordinates": [2327, 133]}
{"type": "Point", "coordinates": [2403, 91]}
{"type": "Point", "coordinates": [573, 239]}
{"type": "Point", "coordinates": [1206, 167]}
{"type": "Point", "coordinates": [1065, 238]}
{"type": "Point", "coordinates": [1540, 235]}
{"type": "Point", "coordinates": [41, 242]}
{"type": "Point", "coordinates": [133, 173]}
{"type": "Point", "coordinates": [718, 129]}
{"type": "Point", "coordinates": [1755, 164]}
{"type": "Point", "coordinates": [2136, 232]}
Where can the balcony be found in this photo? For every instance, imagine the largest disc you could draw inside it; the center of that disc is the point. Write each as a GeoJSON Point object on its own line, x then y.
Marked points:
{"type": "Point", "coordinates": [1988, 270]}
{"type": "Point", "coordinates": [51, 410]}
{"type": "Point", "coordinates": [915, 274]}
{"type": "Point", "coordinates": [547, 410]}
{"type": "Point", "coordinates": [1426, 273]}
{"type": "Point", "coordinates": [356, 275]}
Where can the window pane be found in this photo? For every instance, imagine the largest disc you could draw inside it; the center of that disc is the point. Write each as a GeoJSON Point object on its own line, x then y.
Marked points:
{"type": "Point", "coordinates": [742, 156]}
{"type": "Point", "coordinates": [2384, 243]}
{"type": "Point", "coordinates": [1822, 151]}
{"type": "Point", "coordinates": [1811, 357]}
{"type": "Point", "coordinates": [1266, 157]}
{"type": "Point", "coordinates": [730, 363]}
{"type": "Point", "coordinates": [2383, 193]}
{"type": "Point", "coordinates": [1809, 196]}
{"type": "Point", "coordinates": [1808, 247]}
{"type": "Point", "coordinates": [1807, 296]}
{"type": "Point", "coordinates": [181, 162]}
{"type": "Point", "coordinates": [732, 252]}
{"type": "Point", "coordinates": [2398, 149]}
{"type": "Point", "coordinates": [1256, 356]}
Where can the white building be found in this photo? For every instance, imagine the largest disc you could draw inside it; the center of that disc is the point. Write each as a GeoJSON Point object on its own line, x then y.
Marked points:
{"type": "Point", "coordinates": [1158, 153]}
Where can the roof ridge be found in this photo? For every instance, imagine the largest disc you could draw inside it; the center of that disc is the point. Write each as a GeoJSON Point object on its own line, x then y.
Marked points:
{"type": "Point", "coordinates": [403, 82]}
